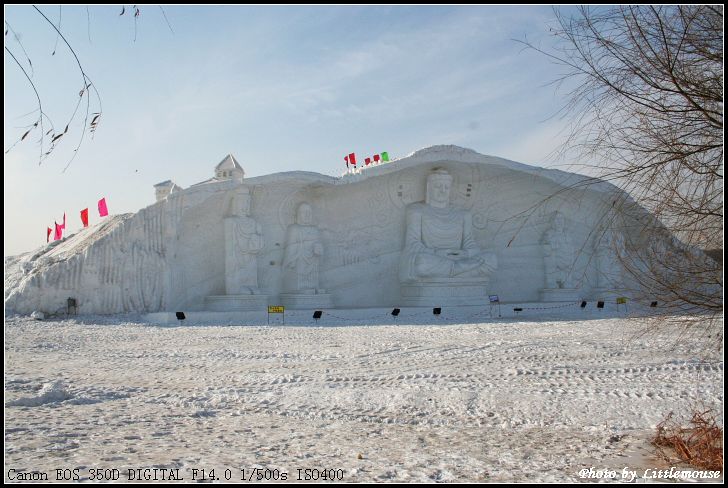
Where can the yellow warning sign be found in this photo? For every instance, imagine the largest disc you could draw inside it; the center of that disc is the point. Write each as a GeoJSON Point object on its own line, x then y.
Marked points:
{"type": "Point", "coordinates": [276, 309]}
{"type": "Point", "coordinates": [621, 300]}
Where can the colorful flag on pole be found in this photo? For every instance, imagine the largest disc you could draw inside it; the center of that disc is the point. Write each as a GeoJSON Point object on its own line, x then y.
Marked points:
{"type": "Point", "coordinates": [368, 161]}
{"type": "Point", "coordinates": [48, 234]}
{"type": "Point", "coordinates": [376, 158]}
{"type": "Point", "coordinates": [59, 232]}
{"type": "Point", "coordinates": [103, 211]}
{"type": "Point", "coordinates": [385, 157]}
{"type": "Point", "coordinates": [63, 225]}
{"type": "Point", "coordinates": [84, 217]}
{"type": "Point", "coordinates": [352, 159]}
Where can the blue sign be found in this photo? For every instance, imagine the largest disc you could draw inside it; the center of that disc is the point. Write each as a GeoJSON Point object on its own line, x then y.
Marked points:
{"type": "Point", "coordinates": [493, 298]}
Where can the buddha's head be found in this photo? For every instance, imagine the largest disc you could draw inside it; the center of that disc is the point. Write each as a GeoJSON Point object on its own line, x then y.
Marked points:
{"type": "Point", "coordinates": [438, 188]}
{"type": "Point", "coordinates": [304, 214]}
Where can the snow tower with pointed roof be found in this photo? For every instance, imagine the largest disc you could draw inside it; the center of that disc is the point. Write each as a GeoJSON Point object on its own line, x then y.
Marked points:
{"type": "Point", "coordinates": [229, 169]}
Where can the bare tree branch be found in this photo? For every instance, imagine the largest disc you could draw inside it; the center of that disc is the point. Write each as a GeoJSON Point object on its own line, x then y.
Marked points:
{"type": "Point", "coordinates": [83, 93]}
{"type": "Point", "coordinates": [645, 102]}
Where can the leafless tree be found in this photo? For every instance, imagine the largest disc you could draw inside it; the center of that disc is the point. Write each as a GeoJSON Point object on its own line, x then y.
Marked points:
{"type": "Point", "coordinates": [41, 127]}
{"type": "Point", "coordinates": [645, 105]}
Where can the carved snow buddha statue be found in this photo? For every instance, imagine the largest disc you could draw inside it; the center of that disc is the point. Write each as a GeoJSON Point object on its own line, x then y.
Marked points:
{"type": "Point", "coordinates": [441, 263]}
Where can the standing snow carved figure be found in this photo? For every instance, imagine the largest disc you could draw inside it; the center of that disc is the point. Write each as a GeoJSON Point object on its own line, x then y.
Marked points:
{"type": "Point", "coordinates": [610, 249]}
{"type": "Point", "coordinates": [558, 254]}
{"type": "Point", "coordinates": [243, 241]}
{"type": "Point", "coordinates": [303, 254]}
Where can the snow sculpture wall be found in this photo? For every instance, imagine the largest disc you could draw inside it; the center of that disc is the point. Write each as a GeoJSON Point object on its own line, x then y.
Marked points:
{"type": "Point", "coordinates": [172, 255]}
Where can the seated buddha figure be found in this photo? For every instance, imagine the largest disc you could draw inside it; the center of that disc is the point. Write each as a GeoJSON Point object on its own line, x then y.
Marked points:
{"type": "Point", "coordinates": [439, 244]}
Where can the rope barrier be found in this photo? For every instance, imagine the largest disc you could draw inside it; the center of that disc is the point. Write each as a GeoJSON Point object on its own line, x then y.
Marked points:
{"type": "Point", "coordinates": [478, 313]}
{"type": "Point", "coordinates": [551, 308]}
{"type": "Point", "coordinates": [488, 310]}
{"type": "Point", "coordinates": [375, 316]}
{"type": "Point", "coordinates": [340, 318]}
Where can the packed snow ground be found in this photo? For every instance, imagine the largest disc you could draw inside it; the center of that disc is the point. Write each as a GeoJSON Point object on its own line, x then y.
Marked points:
{"type": "Point", "coordinates": [505, 400]}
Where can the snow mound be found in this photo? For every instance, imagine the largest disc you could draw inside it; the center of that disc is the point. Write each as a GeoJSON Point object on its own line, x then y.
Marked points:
{"type": "Point", "coordinates": [50, 393]}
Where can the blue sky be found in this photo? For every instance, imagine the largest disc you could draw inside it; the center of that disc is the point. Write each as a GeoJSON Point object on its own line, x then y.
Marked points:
{"type": "Point", "coordinates": [282, 88]}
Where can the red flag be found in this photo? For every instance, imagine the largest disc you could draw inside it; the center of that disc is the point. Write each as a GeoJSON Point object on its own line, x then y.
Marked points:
{"type": "Point", "coordinates": [48, 234]}
{"type": "Point", "coordinates": [84, 217]}
{"type": "Point", "coordinates": [352, 159]}
{"type": "Point", "coordinates": [59, 232]}
{"type": "Point", "coordinates": [103, 211]}
{"type": "Point", "coordinates": [346, 158]}
{"type": "Point", "coordinates": [376, 158]}
{"type": "Point", "coordinates": [63, 225]}
{"type": "Point", "coordinates": [368, 161]}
